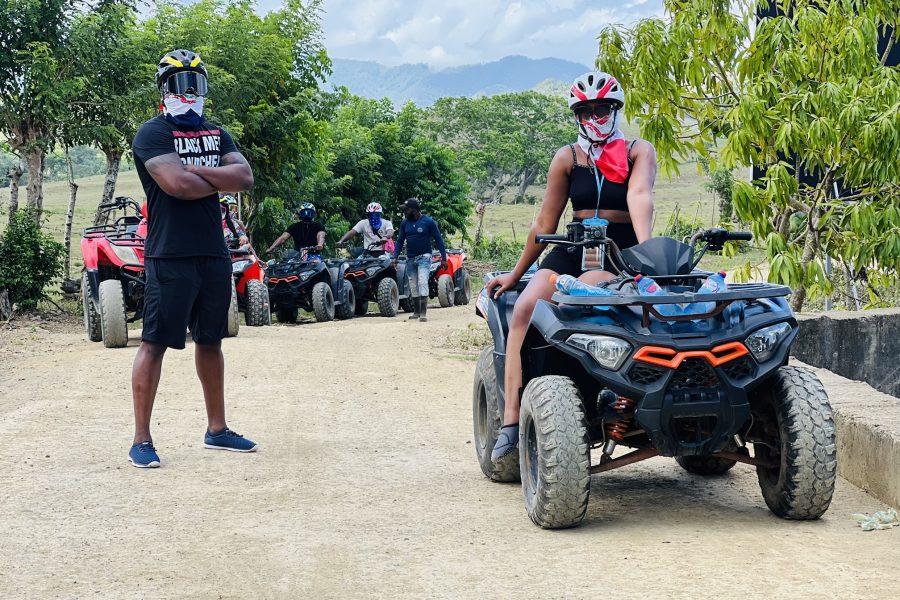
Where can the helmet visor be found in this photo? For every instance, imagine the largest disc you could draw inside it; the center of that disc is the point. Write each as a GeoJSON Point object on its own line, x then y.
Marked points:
{"type": "Point", "coordinates": [186, 82]}
{"type": "Point", "coordinates": [595, 110]}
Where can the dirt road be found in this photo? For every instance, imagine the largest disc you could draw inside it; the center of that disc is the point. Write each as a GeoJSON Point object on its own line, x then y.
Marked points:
{"type": "Point", "coordinates": [365, 486]}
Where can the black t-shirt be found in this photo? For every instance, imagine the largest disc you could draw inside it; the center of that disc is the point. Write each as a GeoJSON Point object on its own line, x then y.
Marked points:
{"type": "Point", "coordinates": [176, 227]}
{"type": "Point", "coordinates": [305, 234]}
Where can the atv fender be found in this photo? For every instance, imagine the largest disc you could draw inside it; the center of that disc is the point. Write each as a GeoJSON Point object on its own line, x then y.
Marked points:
{"type": "Point", "coordinates": [93, 277]}
{"type": "Point", "coordinates": [340, 294]}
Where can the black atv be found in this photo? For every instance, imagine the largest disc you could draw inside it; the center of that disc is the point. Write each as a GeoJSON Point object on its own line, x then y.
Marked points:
{"type": "Point", "coordinates": [374, 279]}
{"type": "Point", "coordinates": [312, 284]}
{"type": "Point", "coordinates": [627, 370]}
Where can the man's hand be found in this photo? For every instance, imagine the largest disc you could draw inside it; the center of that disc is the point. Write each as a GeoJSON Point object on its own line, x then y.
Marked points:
{"type": "Point", "coordinates": [233, 173]}
{"type": "Point", "coordinates": [319, 247]}
{"type": "Point", "coordinates": [443, 264]}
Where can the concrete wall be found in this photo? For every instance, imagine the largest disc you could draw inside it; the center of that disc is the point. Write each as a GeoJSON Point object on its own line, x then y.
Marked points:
{"type": "Point", "coordinates": [863, 346]}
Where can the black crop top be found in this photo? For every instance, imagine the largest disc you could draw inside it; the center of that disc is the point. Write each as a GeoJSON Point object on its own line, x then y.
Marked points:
{"type": "Point", "coordinates": [583, 187]}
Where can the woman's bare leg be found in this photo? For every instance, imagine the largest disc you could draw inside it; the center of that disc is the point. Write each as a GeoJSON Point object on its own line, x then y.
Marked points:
{"type": "Point", "coordinates": [538, 288]}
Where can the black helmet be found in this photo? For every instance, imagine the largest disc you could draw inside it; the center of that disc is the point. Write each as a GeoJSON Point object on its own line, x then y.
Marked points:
{"type": "Point", "coordinates": [190, 71]}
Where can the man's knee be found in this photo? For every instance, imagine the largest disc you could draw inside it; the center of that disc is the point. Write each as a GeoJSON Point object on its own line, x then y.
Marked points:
{"type": "Point", "coordinates": [154, 351]}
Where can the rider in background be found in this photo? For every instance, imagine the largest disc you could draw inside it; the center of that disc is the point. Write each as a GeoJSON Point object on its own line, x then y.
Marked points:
{"type": "Point", "coordinates": [235, 232]}
{"type": "Point", "coordinates": [604, 175]}
{"type": "Point", "coordinates": [373, 229]}
{"type": "Point", "coordinates": [417, 231]}
{"type": "Point", "coordinates": [307, 233]}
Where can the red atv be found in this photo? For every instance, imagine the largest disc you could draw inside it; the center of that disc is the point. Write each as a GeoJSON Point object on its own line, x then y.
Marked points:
{"type": "Point", "coordinates": [452, 285]}
{"type": "Point", "coordinates": [252, 295]}
{"type": "Point", "coordinates": [112, 284]}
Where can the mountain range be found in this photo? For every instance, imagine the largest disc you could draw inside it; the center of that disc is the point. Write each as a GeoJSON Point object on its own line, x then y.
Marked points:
{"type": "Point", "coordinates": [422, 85]}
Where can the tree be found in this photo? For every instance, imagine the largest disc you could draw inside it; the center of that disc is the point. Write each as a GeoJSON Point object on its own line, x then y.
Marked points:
{"type": "Point", "coordinates": [504, 141]}
{"type": "Point", "coordinates": [38, 78]}
{"type": "Point", "coordinates": [809, 85]}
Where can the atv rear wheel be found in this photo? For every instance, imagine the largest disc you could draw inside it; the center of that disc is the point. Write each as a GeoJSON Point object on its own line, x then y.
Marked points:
{"type": "Point", "coordinates": [286, 315]}
{"type": "Point", "coordinates": [705, 465]}
{"type": "Point", "coordinates": [323, 302]}
{"type": "Point", "coordinates": [258, 313]}
{"type": "Point", "coordinates": [113, 319]}
{"type": "Point", "coordinates": [554, 453]}
{"type": "Point", "coordinates": [361, 308]}
{"type": "Point", "coordinates": [464, 294]}
{"type": "Point", "coordinates": [487, 419]}
{"type": "Point", "coordinates": [445, 290]}
{"type": "Point", "coordinates": [345, 309]}
{"type": "Point", "coordinates": [802, 484]}
{"type": "Point", "coordinates": [388, 297]}
{"type": "Point", "coordinates": [234, 313]}
{"type": "Point", "coordinates": [91, 316]}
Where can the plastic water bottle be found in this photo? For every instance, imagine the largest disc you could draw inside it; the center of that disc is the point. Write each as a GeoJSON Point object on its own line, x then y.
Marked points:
{"type": "Point", "coordinates": [647, 286]}
{"type": "Point", "coordinates": [574, 287]}
{"type": "Point", "coordinates": [714, 284]}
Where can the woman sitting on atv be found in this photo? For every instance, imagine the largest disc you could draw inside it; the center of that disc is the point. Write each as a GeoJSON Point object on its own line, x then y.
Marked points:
{"type": "Point", "coordinates": [604, 175]}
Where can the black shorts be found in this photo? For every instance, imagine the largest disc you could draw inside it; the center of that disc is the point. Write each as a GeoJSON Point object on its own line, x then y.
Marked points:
{"type": "Point", "coordinates": [181, 293]}
{"type": "Point", "coordinates": [567, 260]}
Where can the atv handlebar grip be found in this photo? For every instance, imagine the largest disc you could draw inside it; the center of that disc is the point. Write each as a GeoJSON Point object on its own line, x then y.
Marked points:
{"type": "Point", "coordinates": [743, 236]}
{"type": "Point", "coordinates": [543, 239]}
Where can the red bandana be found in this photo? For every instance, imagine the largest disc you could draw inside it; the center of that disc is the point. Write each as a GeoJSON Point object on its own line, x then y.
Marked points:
{"type": "Point", "coordinates": [610, 157]}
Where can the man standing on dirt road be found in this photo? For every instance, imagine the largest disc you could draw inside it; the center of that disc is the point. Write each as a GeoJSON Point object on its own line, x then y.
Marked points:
{"type": "Point", "coordinates": [417, 231]}
{"type": "Point", "coordinates": [183, 161]}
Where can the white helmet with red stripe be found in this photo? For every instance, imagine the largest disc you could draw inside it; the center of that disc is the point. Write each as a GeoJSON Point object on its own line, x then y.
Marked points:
{"type": "Point", "coordinates": [596, 85]}
{"type": "Point", "coordinates": [374, 207]}
{"type": "Point", "coordinates": [596, 98]}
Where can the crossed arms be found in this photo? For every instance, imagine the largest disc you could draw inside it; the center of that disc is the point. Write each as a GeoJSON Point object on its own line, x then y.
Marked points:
{"type": "Point", "coordinates": [189, 182]}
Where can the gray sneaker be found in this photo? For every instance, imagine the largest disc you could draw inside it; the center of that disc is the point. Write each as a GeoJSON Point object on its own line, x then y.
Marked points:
{"type": "Point", "coordinates": [507, 443]}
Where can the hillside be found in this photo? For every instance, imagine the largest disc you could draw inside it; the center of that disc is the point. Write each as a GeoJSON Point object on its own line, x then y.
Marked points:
{"type": "Point", "coordinates": [419, 84]}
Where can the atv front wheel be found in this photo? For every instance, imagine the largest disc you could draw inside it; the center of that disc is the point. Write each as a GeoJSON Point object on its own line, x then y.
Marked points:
{"type": "Point", "coordinates": [234, 313]}
{"type": "Point", "coordinates": [445, 290]}
{"type": "Point", "coordinates": [286, 315]}
{"type": "Point", "coordinates": [464, 294]}
{"type": "Point", "coordinates": [91, 316]}
{"type": "Point", "coordinates": [805, 448]}
{"type": "Point", "coordinates": [554, 453]}
{"type": "Point", "coordinates": [345, 309]}
{"type": "Point", "coordinates": [487, 419]}
{"type": "Point", "coordinates": [705, 465]}
{"type": "Point", "coordinates": [113, 319]}
{"type": "Point", "coordinates": [258, 313]}
{"type": "Point", "coordinates": [388, 297]}
{"type": "Point", "coordinates": [323, 302]}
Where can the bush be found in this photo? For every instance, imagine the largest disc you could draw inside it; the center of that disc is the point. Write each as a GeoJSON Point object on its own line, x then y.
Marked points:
{"type": "Point", "coordinates": [29, 260]}
{"type": "Point", "coordinates": [680, 228]}
{"type": "Point", "coordinates": [501, 253]}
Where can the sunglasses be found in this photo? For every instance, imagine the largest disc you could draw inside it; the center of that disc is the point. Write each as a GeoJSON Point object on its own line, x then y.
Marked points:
{"type": "Point", "coordinates": [186, 82]}
{"type": "Point", "coordinates": [594, 111]}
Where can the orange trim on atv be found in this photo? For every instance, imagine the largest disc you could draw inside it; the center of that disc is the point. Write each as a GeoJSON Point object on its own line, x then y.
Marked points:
{"type": "Point", "coordinates": [666, 357]}
{"type": "Point", "coordinates": [285, 279]}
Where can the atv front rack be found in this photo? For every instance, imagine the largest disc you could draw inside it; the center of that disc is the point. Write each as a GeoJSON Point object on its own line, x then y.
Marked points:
{"type": "Point", "coordinates": [736, 292]}
{"type": "Point", "coordinates": [114, 234]}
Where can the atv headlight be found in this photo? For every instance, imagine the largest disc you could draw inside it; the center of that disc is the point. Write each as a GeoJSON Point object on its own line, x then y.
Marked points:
{"type": "Point", "coordinates": [125, 253]}
{"type": "Point", "coordinates": [304, 276]}
{"type": "Point", "coordinates": [763, 342]}
{"type": "Point", "coordinates": [609, 352]}
{"type": "Point", "coordinates": [239, 265]}
{"type": "Point", "coordinates": [372, 270]}
{"type": "Point", "coordinates": [435, 266]}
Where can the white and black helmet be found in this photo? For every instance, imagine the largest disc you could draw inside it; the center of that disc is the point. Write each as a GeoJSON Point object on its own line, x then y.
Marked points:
{"type": "Point", "coordinates": [596, 85]}
{"type": "Point", "coordinates": [374, 207]}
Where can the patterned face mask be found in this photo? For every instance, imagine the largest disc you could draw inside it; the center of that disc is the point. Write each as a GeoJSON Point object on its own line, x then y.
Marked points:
{"type": "Point", "coordinates": [184, 110]}
{"type": "Point", "coordinates": [375, 221]}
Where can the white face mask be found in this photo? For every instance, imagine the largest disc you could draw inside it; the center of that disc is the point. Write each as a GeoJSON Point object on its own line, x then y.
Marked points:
{"type": "Point", "coordinates": [180, 105]}
{"type": "Point", "coordinates": [598, 132]}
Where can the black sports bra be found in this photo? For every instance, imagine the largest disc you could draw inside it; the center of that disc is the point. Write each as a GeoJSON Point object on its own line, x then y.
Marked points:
{"type": "Point", "coordinates": [583, 187]}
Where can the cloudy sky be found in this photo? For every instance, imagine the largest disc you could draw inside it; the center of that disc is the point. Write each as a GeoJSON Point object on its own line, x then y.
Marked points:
{"type": "Point", "coordinates": [446, 33]}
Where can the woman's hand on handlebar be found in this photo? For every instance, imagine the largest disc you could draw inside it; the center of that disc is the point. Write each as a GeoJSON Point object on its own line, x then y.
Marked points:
{"type": "Point", "coordinates": [503, 282]}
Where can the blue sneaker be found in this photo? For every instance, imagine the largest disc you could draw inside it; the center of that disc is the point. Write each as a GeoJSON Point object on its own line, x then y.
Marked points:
{"type": "Point", "coordinates": [228, 440]}
{"type": "Point", "coordinates": [144, 456]}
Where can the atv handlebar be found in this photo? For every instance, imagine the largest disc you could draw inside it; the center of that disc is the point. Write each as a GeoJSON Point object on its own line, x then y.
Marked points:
{"type": "Point", "coordinates": [547, 238]}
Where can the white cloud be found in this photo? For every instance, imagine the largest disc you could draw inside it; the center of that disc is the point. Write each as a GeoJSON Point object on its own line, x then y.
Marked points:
{"type": "Point", "coordinates": [445, 33]}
